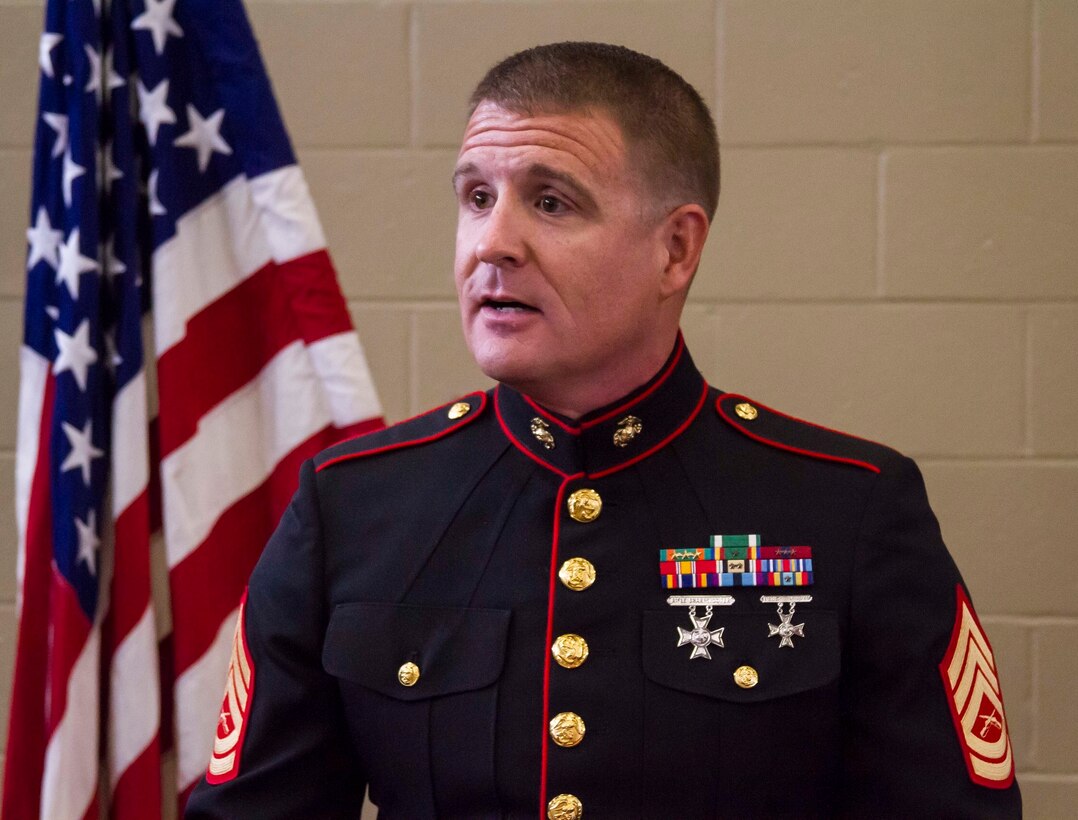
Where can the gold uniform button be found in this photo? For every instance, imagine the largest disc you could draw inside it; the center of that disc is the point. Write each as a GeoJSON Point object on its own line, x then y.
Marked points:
{"type": "Point", "coordinates": [570, 650]}
{"type": "Point", "coordinates": [564, 807]}
{"type": "Point", "coordinates": [577, 574]}
{"type": "Point", "coordinates": [746, 677]}
{"type": "Point", "coordinates": [746, 411]}
{"type": "Point", "coordinates": [408, 674]}
{"type": "Point", "coordinates": [567, 729]}
{"type": "Point", "coordinates": [459, 410]}
{"type": "Point", "coordinates": [585, 505]}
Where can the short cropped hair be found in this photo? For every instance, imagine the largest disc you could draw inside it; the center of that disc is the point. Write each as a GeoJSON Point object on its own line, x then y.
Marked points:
{"type": "Point", "coordinates": [665, 122]}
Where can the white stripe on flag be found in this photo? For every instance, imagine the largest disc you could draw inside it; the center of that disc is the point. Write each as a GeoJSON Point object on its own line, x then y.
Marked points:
{"type": "Point", "coordinates": [33, 374]}
{"type": "Point", "coordinates": [134, 686]}
{"type": "Point", "coordinates": [70, 777]}
{"type": "Point", "coordinates": [288, 214]}
{"type": "Point", "coordinates": [237, 445]}
{"type": "Point", "coordinates": [198, 700]}
{"type": "Point", "coordinates": [222, 242]}
{"type": "Point", "coordinates": [130, 449]}
{"type": "Point", "coordinates": [346, 380]}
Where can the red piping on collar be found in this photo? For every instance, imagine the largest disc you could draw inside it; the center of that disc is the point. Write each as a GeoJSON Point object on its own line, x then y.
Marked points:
{"type": "Point", "coordinates": [790, 448]}
{"type": "Point", "coordinates": [621, 408]}
{"type": "Point", "coordinates": [517, 442]}
{"type": "Point", "coordinates": [552, 590]}
{"type": "Point", "coordinates": [414, 442]}
{"type": "Point", "coordinates": [680, 429]}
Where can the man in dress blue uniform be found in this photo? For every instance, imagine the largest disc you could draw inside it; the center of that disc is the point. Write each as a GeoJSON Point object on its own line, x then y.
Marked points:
{"type": "Point", "coordinates": [604, 587]}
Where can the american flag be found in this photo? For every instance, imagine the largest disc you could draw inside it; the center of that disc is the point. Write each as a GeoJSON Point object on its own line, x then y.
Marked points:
{"type": "Point", "coordinates": [186, 347]}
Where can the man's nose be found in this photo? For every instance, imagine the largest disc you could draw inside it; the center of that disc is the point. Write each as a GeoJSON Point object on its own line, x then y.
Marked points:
{"type": "Point", "coordinates": [501, 239]}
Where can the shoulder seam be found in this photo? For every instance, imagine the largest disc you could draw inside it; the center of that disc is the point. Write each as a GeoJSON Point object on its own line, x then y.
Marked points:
{"type": "Point", "coordinates": [400, 445]}
{"type": "Point", "coordinates": [865, 465]}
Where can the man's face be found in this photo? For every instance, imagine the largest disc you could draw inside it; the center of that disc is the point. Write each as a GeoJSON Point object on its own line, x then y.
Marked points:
{"type": "Point", "coordinates": [559, 253]}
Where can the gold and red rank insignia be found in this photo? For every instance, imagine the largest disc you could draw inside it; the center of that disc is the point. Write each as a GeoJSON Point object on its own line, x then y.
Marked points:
{"type": "Point", "coordinates": [973, 693]}
{"type": "Point", "coordinates": [232, 721]}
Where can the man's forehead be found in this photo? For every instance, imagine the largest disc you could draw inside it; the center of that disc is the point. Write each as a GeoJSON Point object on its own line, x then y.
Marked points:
{"type": "Point", "coordinates": [591, 137]}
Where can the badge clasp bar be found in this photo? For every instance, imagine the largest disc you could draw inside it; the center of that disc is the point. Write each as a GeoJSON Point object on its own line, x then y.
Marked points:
{"type": "Point", "coordinates": [703, 600]}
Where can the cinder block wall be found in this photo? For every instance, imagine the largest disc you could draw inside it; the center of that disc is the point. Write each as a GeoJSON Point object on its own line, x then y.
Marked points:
{"type": "Point", "coordinates": [894, 254]}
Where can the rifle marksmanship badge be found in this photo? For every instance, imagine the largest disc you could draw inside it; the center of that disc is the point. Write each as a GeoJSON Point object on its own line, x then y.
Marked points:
{"type": "Point", "coordinates": [700, 637]}
{"type": "Point", "coordinates": [735, 561]}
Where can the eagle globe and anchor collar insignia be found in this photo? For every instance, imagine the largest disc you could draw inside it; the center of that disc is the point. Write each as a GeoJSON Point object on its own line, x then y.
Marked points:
{"type": "Point", "coordinates": [613, 437]}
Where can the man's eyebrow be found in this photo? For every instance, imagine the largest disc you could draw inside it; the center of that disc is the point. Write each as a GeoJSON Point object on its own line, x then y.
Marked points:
{"type": "Point", "coordinates": [542, 171]}
{"type": "Point", "coordinates": [464, 170]}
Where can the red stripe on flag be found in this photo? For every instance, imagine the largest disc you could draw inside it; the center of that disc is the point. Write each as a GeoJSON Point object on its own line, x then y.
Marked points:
{"type": "Point", "coordinates": [138, 791]}
{"type": "Point", "coordinates": [229, 342]}
{"type": "Point", "coordinates": [69, 632]}
{"type": "Point", "coordinates": [24, 761]}
{"type": "Point", "coordinates": [207, 585]}
{"type": "Point", "coordinates": [131, 580]}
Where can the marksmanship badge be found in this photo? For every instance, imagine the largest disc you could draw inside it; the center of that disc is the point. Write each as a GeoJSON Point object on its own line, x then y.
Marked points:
{"type": "Point", "coordinates": [972, 684]}
{"type": "Point", "coordinates": [700, 637]}
{"type": "Point", "coordinates": [785, 629]}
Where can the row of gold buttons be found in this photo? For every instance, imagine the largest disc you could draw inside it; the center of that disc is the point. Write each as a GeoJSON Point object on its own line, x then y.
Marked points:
{"type": "Point", "coordinates": [571, 650]}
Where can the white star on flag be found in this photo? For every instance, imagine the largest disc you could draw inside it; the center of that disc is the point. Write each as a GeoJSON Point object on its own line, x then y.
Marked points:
{"type": "Point", "coordinates": [83, 451]}
{"type": "Point", "coordinates": [58, 123]}
{"type": "Point", "coordinates": [153, 108]}
{"type": "Point", "coordinates": [204, 136]}
{"type": "Point", "coordinates": [73, 264]}
{"type": "Point", "coordinates": [88, 541]}
{"type": "Point", "coordinates": [156, 208]}
{"type": "Point", "coordinates": [75, 353]}
{"type": "Point", "coordinates": [72, 171]}
{"type": "Point", "coordinates": [94, 83]}
{"type": "Point", "coordinates": [44, 240]}
{"type": "Point", "coordinates": [157, 19]}
{"type": "Point", "coordinates": [49, 41]}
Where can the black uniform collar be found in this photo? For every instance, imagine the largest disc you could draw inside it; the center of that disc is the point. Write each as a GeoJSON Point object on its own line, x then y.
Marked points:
{"type": "Point", "coordinates": [614, 436]}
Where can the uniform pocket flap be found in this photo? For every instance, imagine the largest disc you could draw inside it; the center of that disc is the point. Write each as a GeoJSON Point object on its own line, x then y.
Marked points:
{"type": "Point", "coordinates": [812, 661]}
{"type": "Point", "coordinates": [453, 649]}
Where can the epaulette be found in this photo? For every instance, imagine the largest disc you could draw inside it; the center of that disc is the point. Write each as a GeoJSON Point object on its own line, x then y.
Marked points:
{"type": "Point", "coordinates": [775, 429]}
{"type": "Point", "coordinates": [422, 429]}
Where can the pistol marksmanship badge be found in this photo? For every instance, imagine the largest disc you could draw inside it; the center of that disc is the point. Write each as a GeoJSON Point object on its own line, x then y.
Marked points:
{"type": "Point", "coordinates": [700, 637]}
{"type": "Point", "coordinates": [785, 629]}
{"type": "Point", "coordinates": [735, 561]}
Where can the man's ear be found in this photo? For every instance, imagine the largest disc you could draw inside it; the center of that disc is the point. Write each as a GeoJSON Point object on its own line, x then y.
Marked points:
{"type": "Point", "coordinates": [684, 232]}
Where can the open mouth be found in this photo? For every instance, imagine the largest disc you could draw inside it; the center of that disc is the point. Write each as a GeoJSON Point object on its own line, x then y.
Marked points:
{"type": "Point", "coordinates": [507, 305]}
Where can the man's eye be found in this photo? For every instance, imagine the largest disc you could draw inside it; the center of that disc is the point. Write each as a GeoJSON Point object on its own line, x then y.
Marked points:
{"type": "Point", "coordinates": [551, 204]}
{"type": "Point", "coordinates": [480, 199]}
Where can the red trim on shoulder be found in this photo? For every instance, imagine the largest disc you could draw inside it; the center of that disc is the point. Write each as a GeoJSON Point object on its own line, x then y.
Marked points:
{"type": "Point", "coordinates": [399, 445]}
{"type": "Point", "coordinates": [968, 670]}
{"type": "Point", "coordinates": [788, 447]}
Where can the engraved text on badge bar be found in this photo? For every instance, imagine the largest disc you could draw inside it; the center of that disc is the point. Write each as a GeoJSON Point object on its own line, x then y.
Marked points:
{"type": "Point", "coordinates": [700, 600]}
{"type": "Point", "coordinates": [785, 599]}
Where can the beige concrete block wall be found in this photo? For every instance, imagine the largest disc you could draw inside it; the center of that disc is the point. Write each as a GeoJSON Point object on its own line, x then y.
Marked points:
{"type": "Point", "coordinates": [894, 253]}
